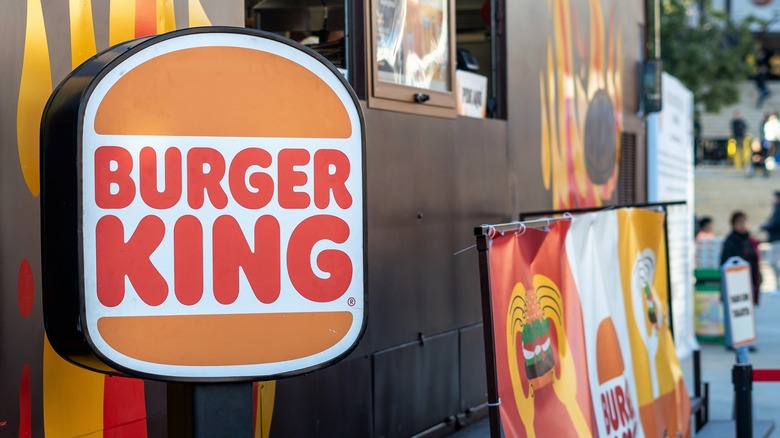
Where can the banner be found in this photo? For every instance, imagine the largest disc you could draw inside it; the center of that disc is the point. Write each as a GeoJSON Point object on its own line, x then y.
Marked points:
{"type": "Point", "coordinates": [664, 405]}
{"type": "Point", "coordinates": [540, 347]}
{"type": "Point", "coordinates": [582, 336]}
{"type": "Point", "coordinates": [592, 247]}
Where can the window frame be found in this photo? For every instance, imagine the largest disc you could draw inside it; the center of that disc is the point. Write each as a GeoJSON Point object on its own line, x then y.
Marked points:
{"type": "Point", "coordinates": [397, 97]}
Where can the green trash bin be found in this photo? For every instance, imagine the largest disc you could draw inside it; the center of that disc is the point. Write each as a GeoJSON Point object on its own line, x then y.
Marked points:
{"type": "Point", "coordinates": [708, 308]}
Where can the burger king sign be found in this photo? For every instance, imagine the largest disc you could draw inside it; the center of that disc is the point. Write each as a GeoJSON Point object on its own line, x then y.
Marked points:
{"type": "Point", "coordinates": [203, 209]}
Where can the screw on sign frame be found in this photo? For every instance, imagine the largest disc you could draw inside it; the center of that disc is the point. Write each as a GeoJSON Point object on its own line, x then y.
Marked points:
{"type": "Point", "coordinates": [203, 209]}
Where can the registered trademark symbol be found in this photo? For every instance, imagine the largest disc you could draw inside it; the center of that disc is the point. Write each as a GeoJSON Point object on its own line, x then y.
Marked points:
{"type": "Point", "coordinates": [351, 301]}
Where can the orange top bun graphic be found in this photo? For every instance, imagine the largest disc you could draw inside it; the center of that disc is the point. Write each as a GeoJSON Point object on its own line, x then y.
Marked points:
{"type": "Point", "coordinates": [610, 359]}
{"type": "Point", "coordinates": [195, 98]}
{"type": "Point", "coordinates": [218, 213]}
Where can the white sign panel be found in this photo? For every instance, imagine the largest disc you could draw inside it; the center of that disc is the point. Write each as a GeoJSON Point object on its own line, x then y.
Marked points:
{"type": "Point", "coordinates": [670, 178]}
{"type": "Point", "coordinates": [739, 302]}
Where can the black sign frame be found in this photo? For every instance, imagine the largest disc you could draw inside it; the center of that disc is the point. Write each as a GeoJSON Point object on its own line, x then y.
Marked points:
{"type": "Point", "coordinates": [61, 208]}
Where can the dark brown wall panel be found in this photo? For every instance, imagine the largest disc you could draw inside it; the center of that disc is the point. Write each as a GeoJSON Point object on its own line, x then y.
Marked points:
{"type": "Point", "coordinates": [473, 380]}
{"type": "Point", "coordinates": [426, 191]}
{"type": "Point", "coordinates": [335, 401]}
{"type": "Point", "coordinates": [430, 181]}
{"type": "Point", "coordinates": [416, 386]}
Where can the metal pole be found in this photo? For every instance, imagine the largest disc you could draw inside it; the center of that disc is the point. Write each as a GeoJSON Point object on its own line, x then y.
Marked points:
{"type": "Point", "coordinates": [606, 208]}
{"type": "Point", "coordinates": [742, 377]}
{"type": "Point", "coordinates": [657, 28]}
{"type": "Point", "coordinates": [487, 329]}
{"type": "Point", "coordinates": [494, 53]}
{"type": "Point", "coordinates": [206, 410]}
{"type": "Point", "coordinates": [668, 271]}
{"type": "Point", "coordinates": [697, 389]}
{"type": "Point", "coordinates": [697, 373]}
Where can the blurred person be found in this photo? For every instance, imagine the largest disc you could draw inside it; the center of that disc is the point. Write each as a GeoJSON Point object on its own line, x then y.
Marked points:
{"type": "Point", "coordinates": [705, 227]}
{"type": "Point", "coordinates": [772, 228]}
{"type": "Point", "coordinates": [738, 129]}
{"type": "Point", "coordinates": [757, 158]}
{"type": "Point", "coordinates": [770, 133]}
{"type": "Point", "coordinates": [739, 243]}
{"type": "Point", "coordinates": [738, 132]}
{"type": "Point", "coordinates": [761, 76]}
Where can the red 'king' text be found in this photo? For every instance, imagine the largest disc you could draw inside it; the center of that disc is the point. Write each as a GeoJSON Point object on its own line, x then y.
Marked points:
{"type": "Point", "coordinates": [202, 174]}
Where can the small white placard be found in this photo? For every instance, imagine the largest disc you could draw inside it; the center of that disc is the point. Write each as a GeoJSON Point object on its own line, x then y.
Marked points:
{"type": "Point", "coordinates": [472, 94]}
{"type": "Point", "coordinates": [739, 301]}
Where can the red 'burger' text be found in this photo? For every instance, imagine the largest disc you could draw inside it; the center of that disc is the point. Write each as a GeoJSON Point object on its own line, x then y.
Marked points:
{"type": "Point", "coordinates": [206, 168]}
{"type": "Point", "coordinates": [203, 178]}
{"type": "Point", "coordinates": [618, 410]}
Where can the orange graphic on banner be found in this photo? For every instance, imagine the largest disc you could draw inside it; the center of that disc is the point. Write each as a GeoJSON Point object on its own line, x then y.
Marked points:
{"type": "Point", "coordinates": [540, 346]}
{"type": "Point", "coordinates": [610, 359]}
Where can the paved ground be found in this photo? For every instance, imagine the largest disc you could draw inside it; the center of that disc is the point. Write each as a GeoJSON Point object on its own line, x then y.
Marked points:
{"type": "Point", "coordinates": [717, 364]}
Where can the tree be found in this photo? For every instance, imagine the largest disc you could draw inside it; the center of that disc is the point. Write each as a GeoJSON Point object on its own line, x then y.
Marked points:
{"type": "Point", "coordinates": [709, 54]}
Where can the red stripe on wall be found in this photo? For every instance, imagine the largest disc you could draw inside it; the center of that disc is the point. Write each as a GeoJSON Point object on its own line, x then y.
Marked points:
{"type": "Point", "coordinates": [145, 18]}
{"type": "Point", "coordinates": [25, 406]}
{"type": "Point", "coordinates": [124, 408]}
{"type": "Point", "coordinates": [25, 288]}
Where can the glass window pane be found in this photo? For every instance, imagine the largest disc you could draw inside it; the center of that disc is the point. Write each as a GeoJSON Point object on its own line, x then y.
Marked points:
{"type": "Point", "coordinates": [413, 43]}
{"type": "Point", "coordinates": [319, 24]}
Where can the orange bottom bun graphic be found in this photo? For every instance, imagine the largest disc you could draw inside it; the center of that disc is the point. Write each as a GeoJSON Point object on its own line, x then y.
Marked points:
{"type": "Point", "coordinates": [212, 340]}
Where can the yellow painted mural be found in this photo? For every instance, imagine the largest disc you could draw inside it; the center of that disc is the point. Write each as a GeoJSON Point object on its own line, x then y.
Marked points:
{"type": "Point", "coordinates": [77, 402]}
{"type": "Point", "coordinates": [34, 91]}
{"type": "Point", "coordinates": [72, 398]}
{"type": "Point", "coordinates": [121, 21]}
{"type": "Point", "coordinates": [581, 104]}
{"type": "Point", "coordinates": [82, 32]}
